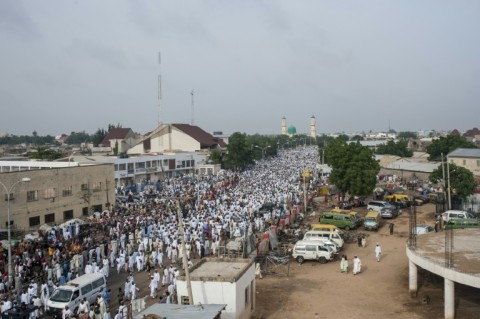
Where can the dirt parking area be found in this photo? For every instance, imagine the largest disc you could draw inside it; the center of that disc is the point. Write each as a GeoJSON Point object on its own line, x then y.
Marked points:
{"type": "Point", "coordinates": [313, 290]}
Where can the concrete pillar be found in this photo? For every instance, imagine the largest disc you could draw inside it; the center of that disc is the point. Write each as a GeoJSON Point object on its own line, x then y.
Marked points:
{"type": "Point", "coordinates": [449, 291]}
{"type": "Point", "coordinates": [412, 278]}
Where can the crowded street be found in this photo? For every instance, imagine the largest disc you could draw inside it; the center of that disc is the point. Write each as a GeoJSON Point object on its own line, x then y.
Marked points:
{"type": "Point", "coordinates": [137, 245]}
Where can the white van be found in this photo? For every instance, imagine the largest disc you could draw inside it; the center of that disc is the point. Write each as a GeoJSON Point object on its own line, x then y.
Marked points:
{"type": "Point", "coordinates": [312, 250]}
{"type": "Point", "coordinates": [331, 235]}
{"type": "Point", "coordinates": [326, 242]}
{"type": "Point", "coordinates": [447, 215]}
{"type": "Point", "coordinates": [86, 286]}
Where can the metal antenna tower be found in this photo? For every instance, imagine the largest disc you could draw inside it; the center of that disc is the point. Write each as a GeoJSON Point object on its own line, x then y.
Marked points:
{"type": "Point", "coordinates": [159, 84]}
{"type": "Point", "coordinates": [193, 114]}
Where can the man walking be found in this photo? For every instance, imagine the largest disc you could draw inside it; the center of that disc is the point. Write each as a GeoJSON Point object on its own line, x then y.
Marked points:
{"type": "Point", "coordinates": [357, 265]}
{"type": "Point", "coordinates": [378, 252]}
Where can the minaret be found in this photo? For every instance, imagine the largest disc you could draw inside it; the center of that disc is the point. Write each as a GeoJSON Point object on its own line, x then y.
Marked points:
{"type": "Point", "coordinates": [284, 126]}
{"type": "Point", "coordinates": [313, 127]}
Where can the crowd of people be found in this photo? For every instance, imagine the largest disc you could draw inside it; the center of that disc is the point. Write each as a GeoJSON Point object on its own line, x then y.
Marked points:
{"type": "Point", "coordinates": [144, 235]}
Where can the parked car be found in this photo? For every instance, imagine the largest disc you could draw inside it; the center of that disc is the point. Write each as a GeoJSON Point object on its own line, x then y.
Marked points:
{"type": "Point", "coordinates": [385, 209]}
{"type": "Point", "coordinates": [389, 212]}
{"type": "Point", "coordinates": [423, 229]}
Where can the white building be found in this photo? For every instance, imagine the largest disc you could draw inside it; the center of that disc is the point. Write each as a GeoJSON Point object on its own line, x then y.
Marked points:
{"type": "Point", "coordinates": [229, 281]}
{"type": "Point", "coordinates": [176, 137]}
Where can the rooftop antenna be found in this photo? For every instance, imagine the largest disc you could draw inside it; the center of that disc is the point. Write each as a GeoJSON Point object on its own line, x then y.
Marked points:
{"type": "Point", "coordinates": [192, 94]}
{"type": "Point", "coordinates": [159, 97]}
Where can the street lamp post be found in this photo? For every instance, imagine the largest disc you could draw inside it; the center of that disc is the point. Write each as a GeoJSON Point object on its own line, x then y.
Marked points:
{"type": "Point", "coordinates": [264, 149]}
{"type": "Point", "coordinates": [8, 191]}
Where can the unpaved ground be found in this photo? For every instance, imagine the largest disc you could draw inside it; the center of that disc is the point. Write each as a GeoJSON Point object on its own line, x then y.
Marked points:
{"type": "Point", "coordinates": [313, 290]}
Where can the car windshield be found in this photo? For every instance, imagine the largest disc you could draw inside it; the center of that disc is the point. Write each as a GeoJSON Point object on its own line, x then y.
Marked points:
{"type": "Point", "coordinates": [61, 295]}
{"type": "Point", "coordinates": [470, 215]}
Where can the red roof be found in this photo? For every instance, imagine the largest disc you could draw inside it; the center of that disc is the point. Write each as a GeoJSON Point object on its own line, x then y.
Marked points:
{"type": "Point", "coordinates": [115, 134]}
{"type": "Point", "coordinates": [205, 139]}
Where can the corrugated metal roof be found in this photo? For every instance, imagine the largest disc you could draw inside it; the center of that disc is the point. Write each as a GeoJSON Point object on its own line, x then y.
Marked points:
{"type": "Point", "coordinates": [173, 311]}
{"type": "Point", "coordinates": [413, 166]}
{"type": "Point", "coordinates": [465, 152]}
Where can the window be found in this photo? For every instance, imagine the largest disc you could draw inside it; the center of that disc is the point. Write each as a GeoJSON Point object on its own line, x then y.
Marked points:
{"type": "Point", "coordinates": [67, 191]}
{"type": "Point", "coordinates": [34, 221]}
{"type": "Point", "coordinates": [122, 167]}
{"type": "Point", "coordinates": [464, 162]}
{"type": "Point", "coordinates": [9, 195]}
{"type": "Point", "coordinates": [49, 193]}
{"type": "Point", "coordinates": [86, 289]}
{"type": "Point", "coordinates": [85, 211]}
{"type": "Point", "coordinates": [184, 300]}
{"type": "Point", "coordinates": [68, 214]}
{"type": "Point", "coordinates": [247, 296]}
{"type": "Point", "coordinates": [97, 186]}
{"type": "Point", "coordinates": [32, 196]}
{"type": "Point", "coordinates": [311, 248]}
{"type": "Point", "coordinates": [84, 187]}
{"type": "Point", "coordinates": [478, 163]}
{"type": "Point", "coordinates": [49, 218]}
{"type": "Point", "coordinates": [98, 283]}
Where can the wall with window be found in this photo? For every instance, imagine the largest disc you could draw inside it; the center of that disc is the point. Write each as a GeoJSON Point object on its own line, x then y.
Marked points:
{"type": "Point", "coordinates": [56, 195]}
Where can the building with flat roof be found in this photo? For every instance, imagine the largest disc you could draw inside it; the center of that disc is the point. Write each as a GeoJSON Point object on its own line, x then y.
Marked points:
{"type": "Point", "coordinates": [56, 192]}
{"type": "Point", "coordinates": [229, 281]}
{"type": "Point", "coordinates": [173, 311]}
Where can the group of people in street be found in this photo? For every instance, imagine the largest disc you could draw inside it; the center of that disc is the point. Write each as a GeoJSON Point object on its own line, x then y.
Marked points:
{"type": "Point", "coordinates": [357, 263]}
{"type": "Point", "coordinates": [144, 235]}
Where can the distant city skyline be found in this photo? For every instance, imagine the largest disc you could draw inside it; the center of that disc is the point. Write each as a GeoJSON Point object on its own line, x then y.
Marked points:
{"type": "Point", "coordinates": [76, 65]}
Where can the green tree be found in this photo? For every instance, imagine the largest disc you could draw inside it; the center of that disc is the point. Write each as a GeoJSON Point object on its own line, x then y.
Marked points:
{"type": "Point", "coordinates": [78, 138]}
{"type": "Point", "coordinates": [354, 168]}
{"type": "Point", "coordinates": [399, 148]}
{"type": "Point", "coordinates": [407, 135]}
{"type": "Point", "coordinates": [98, 137]}
{"type": "Point", "coordinates": [462, 181]}
{"type": "Point", "coordinates": [115, 149]}
{"type": "Point", "coordinates": [239, 153]}
{"type": "Point", "coordinates": [43, 153]}
{"type": "Point", "coordinates": [217, 157]}
{"type": "Point", "coordinates": [446, 145]}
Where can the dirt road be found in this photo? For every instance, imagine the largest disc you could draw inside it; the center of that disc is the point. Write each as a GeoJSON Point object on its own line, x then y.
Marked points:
{"type": "Point", "coordinates": [313, 290]}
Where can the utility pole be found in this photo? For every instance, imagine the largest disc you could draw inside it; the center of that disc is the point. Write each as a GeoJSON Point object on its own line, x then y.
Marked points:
{"type": "Point", "coordinates": [184, 253]}
{"type": "Point", "coordinates": [448, 186]}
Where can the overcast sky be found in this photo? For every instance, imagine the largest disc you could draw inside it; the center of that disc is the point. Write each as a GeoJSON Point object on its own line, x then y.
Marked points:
{"type": "Point", "coordinates": [355, 65]}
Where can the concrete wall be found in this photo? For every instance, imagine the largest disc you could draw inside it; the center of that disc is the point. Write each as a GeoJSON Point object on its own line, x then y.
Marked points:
{"type": "Point", "coordinates": [472, 164]}
{"type": "Point", "coordinates": [224, 292]}
{"type": "Point", "coordinates": [58, 190]}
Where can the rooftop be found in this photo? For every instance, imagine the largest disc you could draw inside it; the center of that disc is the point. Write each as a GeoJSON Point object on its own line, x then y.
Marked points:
{"type": "Point", "coordinates": [465, 152]}
{"type": "Point", "coordinates": [224, 269]}
{"type": "Point", "coordinates": [172, 311]}
{"type": "Point", "coordinates": [466, 256]}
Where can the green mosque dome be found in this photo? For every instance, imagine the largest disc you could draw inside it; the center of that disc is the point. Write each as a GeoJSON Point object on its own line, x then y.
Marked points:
{"type": "Point", "coordinates": [292, 130]}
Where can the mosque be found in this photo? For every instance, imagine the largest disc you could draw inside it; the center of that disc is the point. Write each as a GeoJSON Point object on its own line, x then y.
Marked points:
{"type": "Point", "coordinates": [292, 130]}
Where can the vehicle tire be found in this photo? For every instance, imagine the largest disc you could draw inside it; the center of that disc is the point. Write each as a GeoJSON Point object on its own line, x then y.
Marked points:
{"type": "Point", "coordinates": [347, 228]}
{"type": "Point", "coordinates": [300, 259]}
{"type": "Point", "coordinates": [322, 260]}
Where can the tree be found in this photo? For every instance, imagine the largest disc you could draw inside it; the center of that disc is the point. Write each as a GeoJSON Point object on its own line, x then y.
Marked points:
{"type": "Point", "coordinates": [239, 153]}
{"type": "Point", "coordinates": [42, 153]}
{"type": "Point", "coordinates": [354, 168]}
{"type": "Point", "coordinates": [445, 145]}
{"type": "Point", "coordinates": [407, 135]}
{"type": "Point", "coordinates": [98, 137]}
{"type": "Point", "coordinates": [115, 149]}
{"type": "Point", "coordinates": [217, 157]}
{"type": "Point", "coordinates": [462, 181]}
{"type": "Point", "coordinates": [395, 148]}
